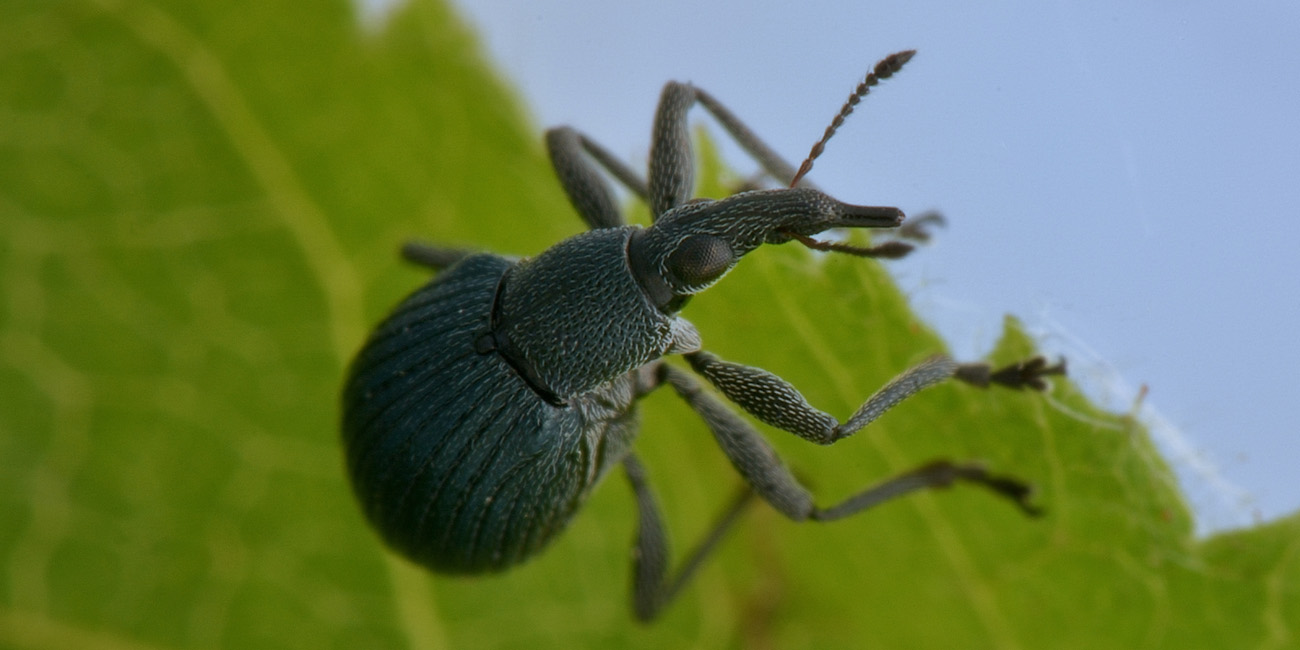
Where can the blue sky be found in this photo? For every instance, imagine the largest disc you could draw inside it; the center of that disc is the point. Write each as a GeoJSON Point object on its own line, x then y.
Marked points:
{"type": "Point", "coordinates": [1125, 177]}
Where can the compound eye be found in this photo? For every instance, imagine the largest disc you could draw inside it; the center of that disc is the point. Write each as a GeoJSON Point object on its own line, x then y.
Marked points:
{"type": "Point", "coordinates": [700, 259]}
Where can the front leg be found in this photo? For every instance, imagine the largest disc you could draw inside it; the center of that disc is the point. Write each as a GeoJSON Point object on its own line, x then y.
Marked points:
{"type": "Point", "coordinates": [433, 256]}
{"type": "Point", "coordinates": [769, 477]}
{"type": "Point", "coordinates": [672, 172]}
{"type": "Point", "coordinates": [774, 401]}
{"type": "Point", "coordinates": [571, 155]}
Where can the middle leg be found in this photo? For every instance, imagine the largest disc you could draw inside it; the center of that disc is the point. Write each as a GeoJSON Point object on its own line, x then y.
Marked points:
{"type": "Point", "coordinates": [652, 587]}
{"type": "Point", "coordinates": [758, 463]}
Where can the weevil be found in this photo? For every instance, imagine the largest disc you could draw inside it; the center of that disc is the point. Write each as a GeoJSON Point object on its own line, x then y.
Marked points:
{"type": "Point", "coordinates": [482, 412]}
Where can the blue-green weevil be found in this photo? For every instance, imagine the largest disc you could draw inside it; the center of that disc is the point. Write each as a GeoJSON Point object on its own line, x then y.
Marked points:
{"type": "Point", "coordinates": [481, 413]}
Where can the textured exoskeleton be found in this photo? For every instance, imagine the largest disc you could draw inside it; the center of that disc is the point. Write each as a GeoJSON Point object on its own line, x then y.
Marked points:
{"type": "Point", "coordinates": [484, 409]}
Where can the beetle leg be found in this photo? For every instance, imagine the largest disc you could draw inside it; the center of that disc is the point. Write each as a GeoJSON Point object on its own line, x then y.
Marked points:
{"type": "Point", "coordinates": [651, 588]}
{"type": "Point", "coordinates": [587, 191]}
{"type": "Point", "coordinates": [434, 257]}
{"type": "Point", "coordinates": [774, 401]}
{"type": "Point", "coordinates": [672, 162]}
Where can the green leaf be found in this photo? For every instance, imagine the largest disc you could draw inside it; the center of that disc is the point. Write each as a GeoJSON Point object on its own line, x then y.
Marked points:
{"type": "Point", "coordinates": [200, 204]}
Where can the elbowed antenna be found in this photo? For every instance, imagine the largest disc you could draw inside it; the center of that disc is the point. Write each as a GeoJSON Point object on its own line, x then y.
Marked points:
{"type": "Point", "coordinates": [890, 250]}
{"type": "Point", "coordinates": [883, 70]}
{"type": "Point", "coordinates": [860, 216]}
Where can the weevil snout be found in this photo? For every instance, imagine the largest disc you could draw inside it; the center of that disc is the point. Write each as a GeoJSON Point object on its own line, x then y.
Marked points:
{"type": "Point", "coordinates": [692, 246]}
{"type": "Point", "coordinates": [863, 216]}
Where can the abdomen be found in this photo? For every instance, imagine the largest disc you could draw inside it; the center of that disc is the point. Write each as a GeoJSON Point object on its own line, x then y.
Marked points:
{"type": "Point", "coordinates": [455, 460]}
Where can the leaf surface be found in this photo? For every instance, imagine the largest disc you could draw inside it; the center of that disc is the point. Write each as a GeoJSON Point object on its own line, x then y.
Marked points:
{"type": "Point", "coordinates": [200, 205]}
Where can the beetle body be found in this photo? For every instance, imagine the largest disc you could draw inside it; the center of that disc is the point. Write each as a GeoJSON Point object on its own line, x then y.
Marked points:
{"type": "Point", "coordinates": [456, 459]}
{"type": "Point", "coordinates": [480, 414]}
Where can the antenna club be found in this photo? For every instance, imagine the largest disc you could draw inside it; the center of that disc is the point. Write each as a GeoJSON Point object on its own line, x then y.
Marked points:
{"type": "Point", "coordinates": [892, 63]}
{"type": "Point", "coordinates": [883, 70]}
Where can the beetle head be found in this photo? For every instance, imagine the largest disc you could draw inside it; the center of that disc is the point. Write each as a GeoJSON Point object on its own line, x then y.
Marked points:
{"type": "Point", "coordinates": [693, 245]}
